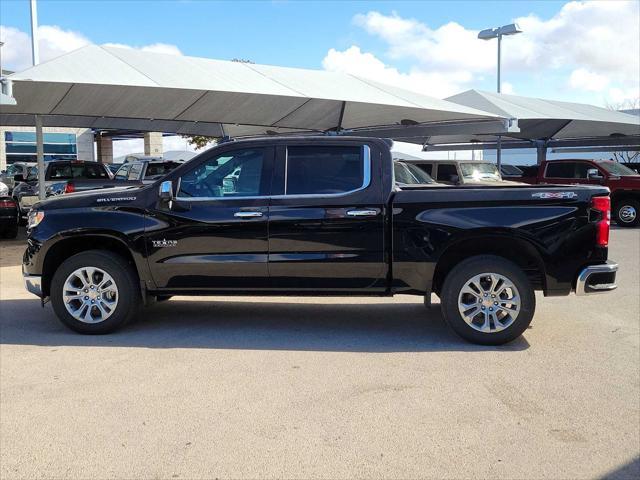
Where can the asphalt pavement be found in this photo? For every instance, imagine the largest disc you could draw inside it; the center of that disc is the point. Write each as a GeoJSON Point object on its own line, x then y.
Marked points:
{"type": "Point", "coordinates": [321, 388]}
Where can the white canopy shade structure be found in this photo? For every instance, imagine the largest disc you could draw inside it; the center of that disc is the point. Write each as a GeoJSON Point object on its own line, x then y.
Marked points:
{"type": "Point", "coordinates": [541, 124]}
{"type": "Point", "coordinates": [108, 87]}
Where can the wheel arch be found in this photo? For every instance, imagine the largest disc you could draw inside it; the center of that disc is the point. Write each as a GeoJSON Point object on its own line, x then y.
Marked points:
{"type": "Point", "coordinates": [66, 247]}
{"type": "Point", "coordinates": [510, 247]}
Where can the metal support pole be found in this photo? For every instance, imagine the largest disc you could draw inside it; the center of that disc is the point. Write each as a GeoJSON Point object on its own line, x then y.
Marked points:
{"type": "Point", "coordinates": [499, 55]}
{"type": "Point", "coordinates": [40, 157]}
{"type": "Point", "coordinates": [499, 153]}
{"type": "Point", "coordinates": [35, 55]}
{"type": "Point", "coordinates": [541, 151]}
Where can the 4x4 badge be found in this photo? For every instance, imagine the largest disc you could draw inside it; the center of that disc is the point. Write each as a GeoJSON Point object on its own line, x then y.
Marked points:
{"type": "Point", "coordinates": [164, 243]}
{"type": "Point", "coordinates": [546, 195]}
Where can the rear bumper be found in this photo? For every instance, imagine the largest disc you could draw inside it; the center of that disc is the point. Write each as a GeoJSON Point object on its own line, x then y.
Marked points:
{"type": "Point", "coordinates": [597, 279]}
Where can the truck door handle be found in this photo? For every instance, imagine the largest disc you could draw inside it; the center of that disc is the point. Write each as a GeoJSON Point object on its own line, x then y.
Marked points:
{"type": "Point", "coordinates": [247, 214]}
{"type": "Point", "coordinates": [362, 213]}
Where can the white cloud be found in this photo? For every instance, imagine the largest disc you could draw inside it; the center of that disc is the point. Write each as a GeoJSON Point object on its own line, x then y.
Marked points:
{"type": "Point", "coordinates": [593, 45]}
{"type": "Point", "coordinates": [506, 87]}
{"type": "Point", "coordinates": [584, 79]}
{"type": "Point", "coordinates": [54, 41]}
{"type": "Point", "coordinates": [354, 61]}
{"type": "Point", "coordinates": [154, 47]}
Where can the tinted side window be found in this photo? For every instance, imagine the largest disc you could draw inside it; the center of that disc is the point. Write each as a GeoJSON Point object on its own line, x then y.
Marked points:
{"type": "Point", "coordinates": [427, 167]}
{"type": "Point", "coordinates": [560, 170]}
{"type": "Point", "coordinates": [316, 170]}
{"type": "Point", "coordinates": [232, 174]}
{"type": "Point", "coordinates": [447, 172]}
{"type": "Point", "coordinates": [123, 172]}
{"type": "Point", "coordinates": [94, 171]}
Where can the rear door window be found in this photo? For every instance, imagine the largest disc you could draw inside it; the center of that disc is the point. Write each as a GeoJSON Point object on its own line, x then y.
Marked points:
{"type": "Point", "coordinates": [447, 173]}
{"type": "Point", "coordinates": [561, 170]}
{"type": "Point", "coordinates": [426, 167]}
{"type": "Point", "coordinates": [324, 170]}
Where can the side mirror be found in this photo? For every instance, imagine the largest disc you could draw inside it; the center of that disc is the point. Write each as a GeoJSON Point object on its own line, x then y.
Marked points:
{"type": "Point", "coordinates": [18, 178]}
{"type": "Point", "coordinates": [166, 191]}
{"type": "Point", "coordinates": [594, 174]}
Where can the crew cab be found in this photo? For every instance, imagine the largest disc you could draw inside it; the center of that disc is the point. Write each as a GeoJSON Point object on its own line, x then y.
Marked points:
{"type": "Point", "coordinates": [317, 216]}
{"type": "Point", "coordinates": [623, 183]}
{"type": "Point", "coordinates": [61, 177]}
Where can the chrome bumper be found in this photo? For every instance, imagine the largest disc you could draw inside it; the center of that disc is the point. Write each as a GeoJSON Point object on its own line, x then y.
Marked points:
{"type": "Point", "coordinates": [597, 279]}
{"type": "Point", "coordinates": [33, 283]}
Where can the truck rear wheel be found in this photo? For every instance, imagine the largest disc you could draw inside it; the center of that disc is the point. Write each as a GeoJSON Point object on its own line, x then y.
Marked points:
{"type": "Point", "coordinates": [488, 300]}
{"type": "Point", "coordinates": [627, 213]}
{"type": "Point", "coordinates": [95, 292]}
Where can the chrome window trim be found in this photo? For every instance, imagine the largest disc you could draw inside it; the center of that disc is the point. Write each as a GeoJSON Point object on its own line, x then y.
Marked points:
{"type": "Point", "coordinates": [366, 182]}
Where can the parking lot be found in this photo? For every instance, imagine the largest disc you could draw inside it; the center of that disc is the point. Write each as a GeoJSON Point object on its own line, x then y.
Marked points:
{"type": "Point", "coordinates": [321, 387]}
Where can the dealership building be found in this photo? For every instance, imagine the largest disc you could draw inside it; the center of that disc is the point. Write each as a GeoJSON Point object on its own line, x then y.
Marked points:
{"type": "Point", "coordinates": [18, 144]}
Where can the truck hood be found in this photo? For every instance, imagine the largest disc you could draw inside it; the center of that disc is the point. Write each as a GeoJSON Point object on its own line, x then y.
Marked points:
{"type": "Point", "coordinates": [91, 198]}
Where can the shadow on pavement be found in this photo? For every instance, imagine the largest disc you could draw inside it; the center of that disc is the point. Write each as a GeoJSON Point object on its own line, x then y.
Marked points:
{"type": "Point", "coordinates": [393, 327]}
{"type": "Point", "coordinates": [629, 471]}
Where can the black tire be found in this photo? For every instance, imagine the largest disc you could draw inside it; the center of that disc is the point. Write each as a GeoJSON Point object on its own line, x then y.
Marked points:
{"type": "Point", "coordinates": [458, 278]}
{"type": "Point", "coordinates": [626, 213]}
{"type": "Point", "coordinates": [124, 277]}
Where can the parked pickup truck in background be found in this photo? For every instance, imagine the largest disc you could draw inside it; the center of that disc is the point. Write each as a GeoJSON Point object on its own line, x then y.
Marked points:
{"type": "Point", "coordinates": [318, 216]}
{"type": "Point", "coordinates": [61, 177]}
{"type": "Point", "coordinates": [460, 172]}
{"type": "Point", "coordinates": [623, 183]}
{"type": "Point", "coordinates": [145, 171]}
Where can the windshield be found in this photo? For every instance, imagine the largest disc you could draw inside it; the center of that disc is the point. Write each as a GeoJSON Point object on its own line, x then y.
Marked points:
{"type": "Point", "coordinates": [614, 168]}
{"type": "Point", "coordinates": [33, 174]}
{"type": "Point", "coordinates": [407, 174]}
{"type": "Point", "coordinates": [480, 171]}
{"type": "Point", "coordinates": [13, 170]}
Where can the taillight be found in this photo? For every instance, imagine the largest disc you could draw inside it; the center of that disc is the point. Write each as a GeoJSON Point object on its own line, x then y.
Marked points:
{"type": "Point", "coordinates": [7, 203]}
{"type": "Point", "coordinates": [603, 205]}
{"type": "Point", "coordinates": [69, 187]}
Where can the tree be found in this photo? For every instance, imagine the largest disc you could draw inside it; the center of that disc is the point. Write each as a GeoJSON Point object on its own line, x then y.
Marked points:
{"type": "Point", "coordinates": [630, 104]}
{"type": "Point", "coordinates": [200, 141]}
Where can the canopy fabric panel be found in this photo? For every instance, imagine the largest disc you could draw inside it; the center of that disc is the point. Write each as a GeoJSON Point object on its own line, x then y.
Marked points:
{"type": "Point", "coordinates": [118, 84]}
{"type": "Point", "coordinates": [549, 119]}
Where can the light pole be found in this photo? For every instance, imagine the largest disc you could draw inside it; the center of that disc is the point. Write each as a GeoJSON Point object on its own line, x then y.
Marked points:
{"type": "Point", "coordinates": [489, 34]}
{"type": "Point", "coordinates": [35, 58]}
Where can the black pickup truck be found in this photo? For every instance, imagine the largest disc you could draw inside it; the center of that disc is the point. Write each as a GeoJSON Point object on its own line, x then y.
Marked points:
{"type": "Point", "coordinates": [318, 216]}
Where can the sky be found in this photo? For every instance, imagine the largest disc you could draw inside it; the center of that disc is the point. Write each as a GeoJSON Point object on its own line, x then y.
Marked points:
{"type": "Point", "coordinates": [583, 51]}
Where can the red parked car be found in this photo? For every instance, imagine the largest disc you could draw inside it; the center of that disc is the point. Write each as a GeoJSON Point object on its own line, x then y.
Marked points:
{"type": "Point", "coordinates": [623, 182]}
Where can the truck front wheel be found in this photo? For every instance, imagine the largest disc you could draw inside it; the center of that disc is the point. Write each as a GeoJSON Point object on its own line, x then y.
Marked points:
{"type": "Point", "coordinates": [627, 213]}
{"type": "Point", "coordinates": [95, 292]}
{"type": "Point", "coordinates": [488, 300]}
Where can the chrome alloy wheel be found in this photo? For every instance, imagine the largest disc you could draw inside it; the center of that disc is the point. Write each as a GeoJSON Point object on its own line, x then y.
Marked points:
{"type": "Point", "coordinates": [627, 214]}
{"type": "Point", "coordinates": [489, 302]}
{"type": "Point", "coordinates": [90, 295]}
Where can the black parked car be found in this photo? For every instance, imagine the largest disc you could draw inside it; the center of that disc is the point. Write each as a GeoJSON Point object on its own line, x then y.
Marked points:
{"type": "Point", "coordinates": [8, 217]}
{"type": "Point", "coordinates": [318, 216]}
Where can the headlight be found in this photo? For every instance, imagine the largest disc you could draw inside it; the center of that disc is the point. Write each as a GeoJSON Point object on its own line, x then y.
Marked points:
{"type": "Point", "coordinates": [34, 218]}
